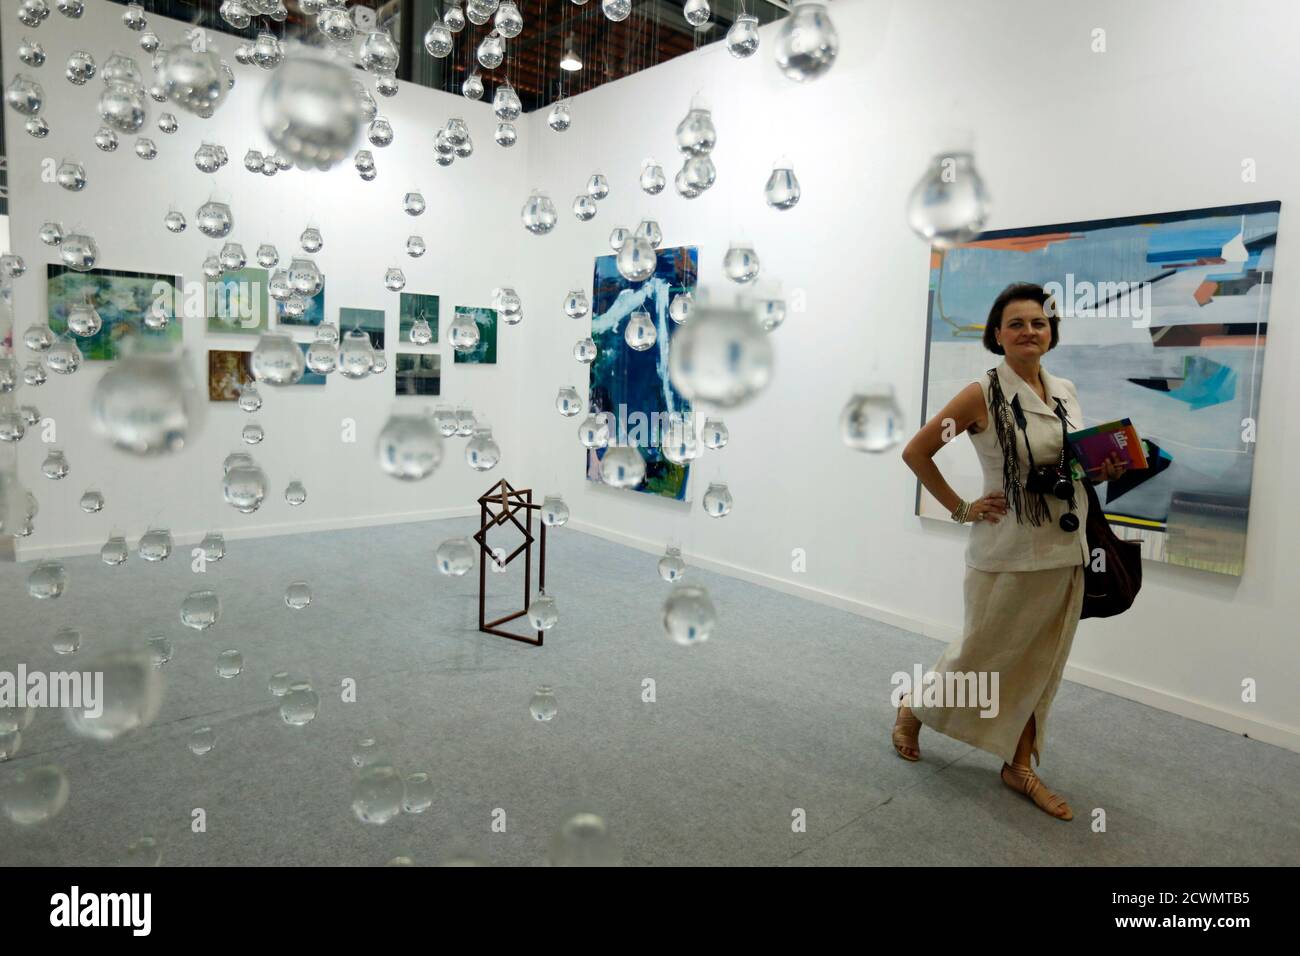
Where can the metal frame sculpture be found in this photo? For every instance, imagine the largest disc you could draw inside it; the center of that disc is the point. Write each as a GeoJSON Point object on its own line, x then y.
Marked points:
{"type": "Point", "coordinates": [510, 501]}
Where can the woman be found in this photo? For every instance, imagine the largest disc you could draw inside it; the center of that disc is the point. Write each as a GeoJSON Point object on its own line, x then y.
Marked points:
{"type": "Point", "coordinates": [1024, 570]}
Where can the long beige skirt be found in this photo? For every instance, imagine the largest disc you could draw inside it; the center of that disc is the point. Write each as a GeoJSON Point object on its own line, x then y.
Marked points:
{"type": "Point", "coordinates": [1019, 625]}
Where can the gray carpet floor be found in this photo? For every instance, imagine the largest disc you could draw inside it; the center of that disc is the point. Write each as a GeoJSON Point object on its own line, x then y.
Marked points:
{"type": "Point", "coordinates": [786, 708]}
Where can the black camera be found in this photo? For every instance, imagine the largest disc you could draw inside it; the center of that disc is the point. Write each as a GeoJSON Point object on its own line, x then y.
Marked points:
{"type": "Point", "coordinates": [1050, 480]}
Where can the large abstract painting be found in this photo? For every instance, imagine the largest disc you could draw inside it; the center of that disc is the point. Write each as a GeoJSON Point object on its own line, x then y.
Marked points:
{"type": "Point", "coordinates": [633, 387]}
{"type": "Point", "coordinates": [1164, 320]}
{"type": "Point", "coordinates": [122, 299]}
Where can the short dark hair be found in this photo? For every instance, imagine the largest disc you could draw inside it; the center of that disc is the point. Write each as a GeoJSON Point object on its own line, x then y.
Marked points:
{"type": "Point", "coordinates": [1018, 292]}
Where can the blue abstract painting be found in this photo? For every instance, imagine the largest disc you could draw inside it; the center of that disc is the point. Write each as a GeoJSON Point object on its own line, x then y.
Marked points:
{"type": "Point", "coordinates": [1163, 320]}
{"type": "Point", "coordinates": [633, 387]}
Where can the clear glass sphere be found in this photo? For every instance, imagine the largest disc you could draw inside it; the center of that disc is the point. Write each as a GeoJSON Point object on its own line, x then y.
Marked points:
{"type": "Point", "coordinates": [689, 616]}
{"type": "Point", "coordinates": [585, 351]}
{"type": "Point", "coordinates": [356, 355]}
{"type": "Point", "coordinates": [539, 215]}
{"type": "Point", "coordinates": [715, 433]}
{"type": "Point", "coordinates": [697, 13]}
{"type": "Point", "coordinates": [622, 467]}
{"type": "Point", "coordinates": [671, 566]}
{"type": "Point", "coordinates": [463, 332]}
{"type": "Point", "coordinates": [277, 360]}
{"type": "Point", "coordinates": [696, 134]}
{"type": "Point", "coordinates": [542, 613]}
{"type": "Point", "coordinates": [640, 333]}
{"type": "Point", "coordinates": [554, 511]}
{"type": "Point", "coordinates": [481, 451]}
{"type": "Point", "coordinates": [806, 44]}
{"type": "Point", "coordinates": [872, 421]}
{"type": "Point", "coordinates": [472, 88]}
{"type": "Point", "coordinates": [742, 37]}
{"type": "Point", "coordinates": [543, 706]}
{"type": "Point", "coordinates": [594, 431]}
{"type": "Point", "coordinates": [454, 557]}
{"type": "Point", "coordinates": [200, 609]}
{"type": "Point", "coordinates": [584, 208]}
{"type": "Point", "coordinates": [148, 403]}
{"type": "Point", "coordinates": [560, 117]}
{"type": "Point", "coordinates": [297, 596]}
{"type": "Point", "coordinates": [722, 356]}
{"type": "Point", "coordinates": [129, 700]}
{"type": "Point", "coordinates": [782, 190]}
{"type": "Point", "coordinates": [437, 39]}
{"type": "Point", "coordinates": [949, 204]}
{"type": "Point", "coordinates": [506, 134]}
{"type": "Point", "coordinates": [568, 402]}
{"type": "Point", "coordinates": [679, 444]}
{"type": "Point", "coordinates": [652, 179]}
{"type": "Point", "coordinates": [576, 304]}
{"type": "Point", "coordinates": [409, 447]}
{"type": "Point", "coordinates": [636, 259]}
{"type": "Point", "coordinates": [491, 51]}
{"type": "Point", "coordinates": [616, 10]}
{"type": "Point", "coordinates": [617, 236]}
{"type": "Point", "coordinates": [244, 487]}
{"type": "Point", "coordinates": [740, 264]}
{"type": "Point", "coordinates": [310, 110]}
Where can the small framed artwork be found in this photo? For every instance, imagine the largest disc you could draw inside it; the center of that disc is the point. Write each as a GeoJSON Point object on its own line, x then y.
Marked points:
{"type": "Point", "coordinates": [413, 306]}
{"type": "Point", "coordinates": [418, 373]}
{"type": "Point", "coordinates": [229, 371]}
{"type": "Point", "coordinates": [238, 303]}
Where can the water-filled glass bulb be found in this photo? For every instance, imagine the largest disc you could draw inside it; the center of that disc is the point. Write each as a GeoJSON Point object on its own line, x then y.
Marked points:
{"type": "Point", "coordinates": [560, 118]}
{"type": "Point", "coordinates": [689, 616]}
{"type": "Point", "coordinates": [697, 13]}
{"type": "Point", "coordinates": [597, 186]}
{"type": "Point", "coordinates": [437, 39]}
{"type": "Point", "coordinates": [584, 208]}
{"type": "Point", "coordinates": [594, 431]}
{"type": "Point", "coordinates": [696, 134]}
{"type": "Point", "coordinates": [463, 333]}
{"type": "Point", "coordinates": [715, 433]}
{"type": "Point", "coordinates": [636, 259]}
{"type": "Point", "coordinates": [742, 37]}
{"type": "Point", "coordinates": [539, 215]}
{"type": "Point", "coordinates": [410, 447]}
{"type": "Point", "coordinates": [671, 565]}
{"type": "Point", "coordinates": [542, 613]}
{"type": "Point", "coordinates": [576, 304]}
{"type": "Point", "coordinates": [640, 333]}
{"type": "Point", "coordinates": [482, 452]}
{"type": "Point", "coordinates": [148, 403]}
{"type": "Point", "coordinates": [421, 333]}
{"type": "Point", "coordinates": [454, 557]}
{"type": "Point", "coordinates": [949, 205]}
{"type": "Point", "coordinates": [472, 88]}
{"type": "Point", "coordinates": [807, 43]}
{"type": "Point", "coordinates": [506, 134]}
{"type": "Point", "coordinates": [871, 420]}
{"type": "Point", "coordinates": [310, 110]}
{"type": "Point", "coordinates": [622, 467]}
{"type": "Point", "coordinates": [585, 350]}
{"type": "Point", "coordinates": [782, 190]}
{"type": "Point", "coordinates": [505, 103]}
{"type": "Point", "coordinates": [568, 402]}
{"type": "Point", "coordinates": [616, 10]}
{"type": "Point", "coordinates": [277, 360]}
{"type": "Point", "coordinates": [617, 236]}
{"type": "Point", "coordinates": [679, 443]}
{"type": "Point", "coordinates": [721, 356]}
{"type": "Point", "coordinates": [554, 511]}
{"type": "Point", "coordinates": [679, 309]}
{"type": "Point", "coordinates": [653, 179]}
{"type": "Point", "coordinates": [650, 231]}
{"type": "Point", "coordinates": [356, 355]}
{"type": "Point", "coordinates": [491, 51]}
{"type": "Point", "coordinates": [740, 264]}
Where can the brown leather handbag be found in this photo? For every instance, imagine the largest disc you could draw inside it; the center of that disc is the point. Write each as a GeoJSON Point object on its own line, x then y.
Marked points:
{"type": "Point", "coordinates": [1111, 591]}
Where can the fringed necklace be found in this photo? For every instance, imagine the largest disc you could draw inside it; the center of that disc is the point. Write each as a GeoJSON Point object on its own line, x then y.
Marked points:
{"type": "Point", "coordinates": [1006, 416]}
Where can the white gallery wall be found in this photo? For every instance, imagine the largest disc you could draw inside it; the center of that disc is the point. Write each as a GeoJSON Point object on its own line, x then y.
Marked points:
{"type": "Point", "coordinates": [470, 206]}
{"type": "Point", "coordinates": [1162, 120]}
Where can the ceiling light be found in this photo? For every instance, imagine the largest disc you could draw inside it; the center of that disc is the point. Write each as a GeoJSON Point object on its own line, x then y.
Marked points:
{"type": "Point", "coordinates": [569, 61]}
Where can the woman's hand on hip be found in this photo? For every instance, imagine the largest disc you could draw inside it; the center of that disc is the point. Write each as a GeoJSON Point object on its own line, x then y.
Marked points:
{"type": "Point", "coordinates": [989, 508]}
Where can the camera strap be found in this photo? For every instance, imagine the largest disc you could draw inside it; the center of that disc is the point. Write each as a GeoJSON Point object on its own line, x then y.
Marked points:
{"type": "Point", "coordinates": [1007, 416]}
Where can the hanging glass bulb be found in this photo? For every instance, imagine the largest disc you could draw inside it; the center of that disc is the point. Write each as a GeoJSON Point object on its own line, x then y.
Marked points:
{"type": "Point", "coordinates": [244, 487]}
{"type": "Point", "coordinates": [721, 356]}
{"type": "Point", "coordinates": [616, 10]}
{"type": "Point", "coordinates": [34, 372]}
{"type": "Point", "coordinates": [699, 173]}
{"type": "Point", "coordinates": [567, 402]}
{"type": "Point", "coordinates": [277, 360]}
{"type": "Point", "coordinates": [463, 332]}
{"type": "Point", "coordinates": [622, 467]}
{"type": "Point", "coordinates": [38, 338]}
{"type": "Point", "coordinates": [576, 304]}
{"type": "Point", "coordinates": [148, 403]}
{"type": "Point", "coordinates": [465, 149]}
{"type": "Point", "coordinates": [871, 420]}
{"type": "Point", "coordinates": [215, 220]}
{"type": "Point", "coordinates": [253, 433]}
{"type": "Point", "coordinates": [454, 557]}
{"type": "Point", "coordinates": [560, 118]}
{"type": "Point", "coordinates": [740, 264]}
{"type": "Point", "coordinates": [671, 565]}
{"type": "Point", "coordinates": [71, 176]}
{"type": "Point", "coordinates": [413, 204]}
{"type": "Point", "coordinates": [356, 355]}
{"type": "Point", "coordinates": [27, 96]}
{"type": "Point", "coordinates": [386, 84]}
{"type": "Point", "coordinates": [445, 418]}
{"type": "Point", "coordinates": [134, 17]}
{"type": "Point", "coordinates": [114, 551]}
{"type": "Point", "coordinates": [689, 616]}
{"type": "Point", "coordinates": [364, 162]}
{"type": "Point", "coordinates": [506, 134]}
{"type": "Point", "coordinates": [336, 24]}
{"type": "Point", "coordinates": [207, 159]}
{"type": "Point", "coordinates": [597, 186]}
{"type": "Point", "coordinates": [585, 350]}
{"type": "Point", "coordinates": [542, 613]}
{"type": "Point", "coordinates": [304, 278]}
{"type": "Point", "coordinates": [51, 233]}
{"type": "Point", "coordinates": [454, 17]}
{"type": "Point", "coordinates": [464, 421]}
{"type": "Point", "coordinates": [636, 259]}
{"type": "Point", "coordinates": [949, 205]}
{"type": "Point", "coordinates": [83, 320]}
{"type": "Point", "coordinates": [12, 428]}
{"type": "Point", "coordinates": [250, 399]}
{"type": "Point", "coordinates": [679, 309]}
{"type": "Point", "coordinates": [437, 40]}
{"type": "Point", "coordinates": [807, 43]}
{"type": "Point", "coordinates": [715, 434]}
{"type": "Point", "coordinates": [409, 447]}
{"type": "Point", "coordinates": [770, 311]}
{"type": "Point", "coordinates": [653, 180]}
{"type": "Point", "coordinates": [717, 500]}
{"type": "Point", "coordinates": [236, 14]}
{"type": "Point", "coordinates": [394, 280]}
{"type": "Point", "coordinates": [584, 208]}
{"type": "Point", "coordinates": [80, 68]}
{"type": "Point", "coordinates": [618, 235]}
{"type": "Point", "coordinates": [72, 9]}
{"type": "Point", "coordinates": [378, 53]}
{"type": "Point", "coordinates": [322, 357]}
{"type": "Point", "coordinates": [155, 544]}
{"type": "Point", "coordinates": [105, 140]}
{"type": "Point", "coordinates": [555, 512]}
{"type": "Point", "coordinates": [505, 103]}
{"type": "Point", "coordinates": [267, 256]}
{"type": "Point", "coordinates": [31, 52]}
{"type": "Point", "coordinates": [380, 132]}
{"type": "Point", "coordinates": [472, 88]}
{"type": "Point", "coordinates": [539, 214]}
{"type": "Point", "coordinates": [594, 431]}
{"type": "Point", "coordinates": [491, 50]}
{"type": "Point", "coordinates": [696, 134]}
{"type": "Point", "coordinates": [697, 13]}
{"type": "Point", "coordinates": [232, 257]}
{"type": "Point", "coordinates": [55, 465]}
{"type": "Point", "coordinates": [482, 452]}
{"type": "Point", "coordinates": [649, 230]}
{"type": "Point", "coordinates": [365, 102]}
{"type": "Point", "coordinates": [509, 22]}
{"type": "Point", "coordinates": [78, 251]}
{"type": "Point", "coordinates": [421, 333]}
{"type": "Point", "coordinates": [145, 148]}
{"type": "Point", "coordinates": [213, 545]}
{"type": "Point", "coordinates": [37, 127]}
{"type": "Point", "coordinates": [782, 190]}
{"type": "Point", "coordinates": [32, 13]}
{"type": "Point", "coordinates": [64, 357]}
{"type": "Point", "coordinates": [310, 110]}
{"type": "Point", "coordinates": [480, 11]}
{"type": "Point", "coordinates": [640, 333]}
{"type": "Point", "coordinates": [454, 134]}
{"type": "Point", "coordinates": [415, 247]}
{"type": "Point", "coordinates": [679, 444]}
{"type": "Point", "coordinates": [684, 188]}
{"type": "Point", "coordinates": [742, 37]}
{"type": "Point", "coordinates": [279, 287]}
{"type": "Point", "coordinates": [508, 305]}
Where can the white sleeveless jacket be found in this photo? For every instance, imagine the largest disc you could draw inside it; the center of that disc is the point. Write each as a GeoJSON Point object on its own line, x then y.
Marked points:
{"type": "Point", "coordinates": [1010, 545]}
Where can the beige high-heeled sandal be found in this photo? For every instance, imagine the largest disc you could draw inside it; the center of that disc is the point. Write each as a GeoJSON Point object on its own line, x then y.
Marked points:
{"type": "Point", "coordinates": [906, 730]}
{"type": "Point", "coordinates": [1024, 780]}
